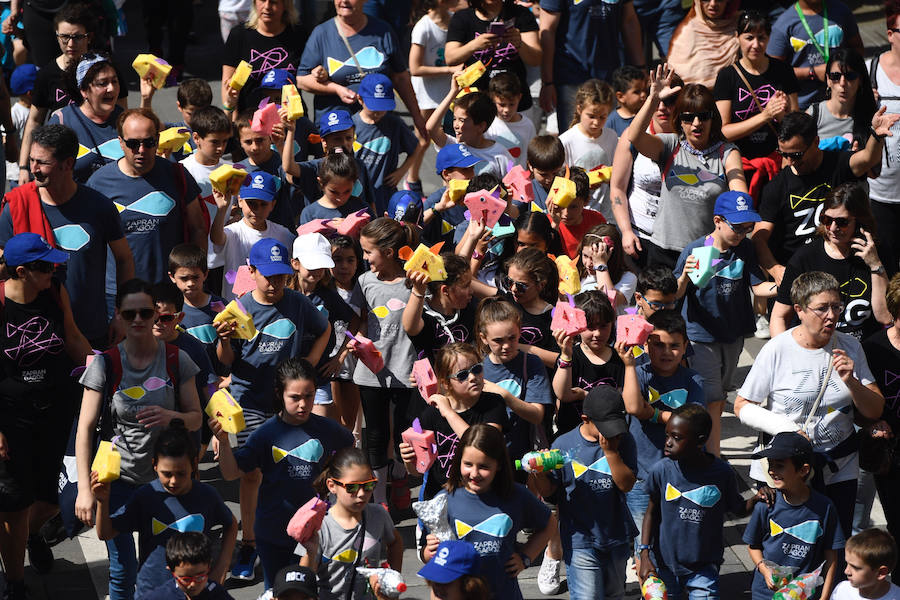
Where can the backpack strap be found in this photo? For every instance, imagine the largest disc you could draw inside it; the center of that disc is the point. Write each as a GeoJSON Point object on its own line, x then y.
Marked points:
{"type": "Point", "coordinates": [670, 161]}
{"type": "Point", "coordinates": [181, 192]}
{"type": "Point", "coordinates": [112, 364]}
{"type": "Point", "coordinates": [815, 113]}
{"type": "Point", "coordinates": [873, 66]}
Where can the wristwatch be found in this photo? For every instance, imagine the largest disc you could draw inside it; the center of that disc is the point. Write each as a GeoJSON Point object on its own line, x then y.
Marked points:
{"type": "Point", "coordinates": [525, 560]}
{"type": "Point", "coordinates": [601, 268]}
{"type": "Point", "coordinates": [642, 547]}
{"type": "Point", "coordinates": [879, 270]}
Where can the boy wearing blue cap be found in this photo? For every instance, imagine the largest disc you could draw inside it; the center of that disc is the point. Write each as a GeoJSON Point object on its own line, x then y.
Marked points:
{"type": "Point", "coordinates": [305, 138]}
{"type": "Point", "coordinates": [231, 244]}
{"type": "Point", "coordinates": [719, 312]}
{"type": "Point", "coordinates": [452, 573]}
{"type": "Point", "coordinates": [454, 161]}
{"type": "Point", "coordinates": [381, 137]}
{"type": "Point", "coordinates": [21, 84]}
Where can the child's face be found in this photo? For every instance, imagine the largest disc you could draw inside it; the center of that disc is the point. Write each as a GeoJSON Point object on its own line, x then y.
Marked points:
{"type": "Point", "coordinates": [587, 257]}
{"type": "Point", "coordinates": [859, 574]}
{"type": "Point", "coordinates": [373, 115]}
{"type": "Point", "coordinates": [337, 190]}
{"type": "Point", "coordinates": [529, 239]}
{"type": "Point", "coordinates": [465, 129]}
{"type": "Point", "coordinates": [378, 258]}
{"type": "Point", "coordinates": [299, 397]}
{"type": "Point", "coordinates": [502, 339]}
{"type": "Point", "coordinates": [212, 147]}
{"type": "Point", "coordinates": [458, 173]}
{"type": "Point", "coordinates": [507, 106]}
{"type": "Point", "coordinates": [571, 215]}
{"type": "Point", "coordinates": [785, 474]}
{"type": "Point", "coordinates": [447, 591]}
{"type": "Point", "coordinates": [593, 118]}
{"type": "Point", "coordinates": [309, 276]}
{"type": "Point", "coordinates": [257, 147]}
{"type": "Point", "coordinates": [344, 264]}
{"type": "Point", "coordinates": [271, 287]}
{"type": "Point", "coordinates": [340, 139]}
{"type": "Point", "coordinates": [732, 234]}
{"type": "Point", "coordinates": [256, 212]}
{"type": "Point", "coordinates": [167, 319]}
{"type": "Point", "coordinates": [477, 470]}
{"type": "Point", "coordinates": [354, 501]}
{"type": "Point", "coordinates": [471, 386]}
{"type": "Point", "coordinates": [175, 474]}
{"type": "Point", "coordinates": [545, 178]}
{"type": "Point", "coordinates": [460, 293]}
{"type": "Point", "coordinates": [189, 280]}
{"type": "Point", "coordinates": [187, 112]}
{"type": "Point", "coordinates": [654, 300]}
{"type": "Point", "coordinates": [633, 98]}
{"type": "Point", "coordinates": [680, 440]}
{"type": "Point", "coordinates": [523, 286]}
{"type": "Point", "coordinates": [666, 351]}
{"type": "Point", "coordinates": [191, 578]}
{"type": "Point", "coordinates": [597, 337]}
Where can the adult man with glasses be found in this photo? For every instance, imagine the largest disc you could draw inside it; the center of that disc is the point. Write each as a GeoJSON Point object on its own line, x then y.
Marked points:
{"type": "Point", "coordinates": [157, 200]}
{"type": "Point", "coordinates": [792, 202]}
{"type": "Point", "coordinates": [74, 218]}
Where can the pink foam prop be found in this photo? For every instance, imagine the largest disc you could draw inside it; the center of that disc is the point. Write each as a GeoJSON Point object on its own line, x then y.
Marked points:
{"type": "Point", "coordinates": [483, 204]}
{"type": "Point", "coordinates": [265, 118]}
{"type": "Point", "coordinates": [422, 442]}
{"type": "Point", "coordinates": [633, 329]}
{"type": "Point", "coordinates": [307, 520]}
{"type": "Point", "coordinates": [322, 226]}
{"type": "Point", "coordinates": [353, 223]}
{"type": "Point", "coordinates": [243, 281]}
{"type": "Point", "coordinates": [425, 379]}
{"type": "Point", "coordinates": [568, 317]}
{"type": "Point", "coordinates": [519, 181]}
{"type": "Point", "coordinates": [366, 351]}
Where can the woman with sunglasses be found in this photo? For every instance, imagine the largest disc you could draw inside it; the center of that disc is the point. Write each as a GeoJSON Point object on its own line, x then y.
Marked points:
{"type": "Point", "coordinates": [846, 113]}
{"type": "Point", "coordinates": [813, 379]}
{"type": "Point", "coordinates": [696, 164]}
{"type": "Point", "coordinates": [94, 117]}
{"type": "Point", "coordinates": [136, 410]}
{"type": "Point", "coordinates": [846, 249]}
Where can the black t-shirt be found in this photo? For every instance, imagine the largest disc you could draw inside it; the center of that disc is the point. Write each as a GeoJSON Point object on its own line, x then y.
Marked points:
{"type": "Point", "coordinates": [465, 26]}
{"type": "Point", "coordinates": [535, 328]}
{"type": "Point", "coordinates": [264, 54]}
{"type": "Point", "coordinates": [586, 375]}
{"type": "Point", "coordinates": [729, 86]}
{"type": "Point", "coordinates": [884, 362]}
{"type": "Point", "coordinates": [55, 88]}
{"type": "Point", "coordinates": [440, 330]}
{"type": "Point", "coordinates": [854, 279]}
{"type": "Point", "coordinates": [794, 203]}
{"type": "Point", "coordinates": [490, 408]}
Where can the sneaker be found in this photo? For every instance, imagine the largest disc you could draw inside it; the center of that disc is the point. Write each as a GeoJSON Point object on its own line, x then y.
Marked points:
{"type": "Point", "coordinates": [15, 590]}
{"type": "Point", "coordinates": [400, 496]}
{"type": "Point", "coordinates": [39, 553]}
{"type": "Point", "coordinates": [246, 563]}
{"type": "Point", "coordinates": [762, 328]}
{"type": "Point", "coordinates": [548, 576]}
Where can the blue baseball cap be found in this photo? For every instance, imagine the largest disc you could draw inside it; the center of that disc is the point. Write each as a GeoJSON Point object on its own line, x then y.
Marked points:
{"type": "Point", "coordinates": [259, 185]}
{"type": "Point", "coordinates": [455, 155]}
{"type": "Point", "coordinates": [29, 247]}
{"type": "Point", "coordinates": [453, 559]}
{"type": "Point", "coordinates": [270, 257]}
{"type": "Point", "coordinates": [736, 207]}
{"type": "Point", "coordinates": [22, 79]}
{"type": "Point", "coordinates": [275, 79]}
{"type": "Point", "coordinates": [334, 121]}
{"type": "Point", "coordinates": [405, 205]}
{"type": "Point", "coordinates": [377, 92]}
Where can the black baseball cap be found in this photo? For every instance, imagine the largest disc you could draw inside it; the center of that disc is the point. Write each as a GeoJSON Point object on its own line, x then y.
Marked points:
{"type": "Point", "coordinates": [606, 409]}
{"type": "Point", "coordinates": [786, 444]}
{"type": "Point", "coordinates": [299, 579]}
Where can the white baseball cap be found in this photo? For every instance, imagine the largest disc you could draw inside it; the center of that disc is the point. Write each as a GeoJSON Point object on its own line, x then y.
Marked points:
{"type": "Point", "coordinates": [313, 251]}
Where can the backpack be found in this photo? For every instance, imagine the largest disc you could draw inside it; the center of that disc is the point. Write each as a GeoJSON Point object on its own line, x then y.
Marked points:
{"type": "Point", "coordinates": [873, 67]}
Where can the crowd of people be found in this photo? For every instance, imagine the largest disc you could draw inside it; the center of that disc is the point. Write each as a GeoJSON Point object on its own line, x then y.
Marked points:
{"type": "Point", "coordinates": [744, 184]}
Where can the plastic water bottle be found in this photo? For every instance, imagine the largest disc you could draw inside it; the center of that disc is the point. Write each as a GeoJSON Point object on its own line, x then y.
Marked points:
{"type": "Point", "coordinates": [390, 581]}
{"type": "Point", "coordinates": [543, 461]}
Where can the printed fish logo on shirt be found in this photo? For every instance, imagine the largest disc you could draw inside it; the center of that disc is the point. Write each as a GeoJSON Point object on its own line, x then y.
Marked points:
{"type": "Point", "coordinates": [182, 525]}
{"type": "Point", "coordinates": [835, 38]}
{"type": "Point", "coordinates": [136, 392]}
{"type": "Point", "coordinates": [816, 194]}
{"type": "Point", "coordinates": [689, 176]}
{"type": "Point", "coordinates": [281, 329]}
{"type": "Point", "coordinates": [205, 333]}
{"type": "Point", "coordinates": [733, 270]}
{"type": "Point", "coordinates": [71, 237]}
{"type": "Point", "coordinates": [368, 58]}
{"type": "Point", "coordinates": [807, 531]}
{"type": "Point", "coordinates": [705, 496]}
{"type": "Point", "coordinates": [388, 307]}
{"type": "Point", "coordinates": [601, 465]}
{"type": "Point", "coordinates": [379, 145]}
{"type": "Point", "coordinates": [853, 288]}
{"type": "Point", "coordinates": [498, 525]}
{"type": "Point", "coordinates": [110, 149]}
{"type": "Point", "coordinates": [154, 204]}
{"type": "Point", "coordinates": [349, 555]}
{"type": "Point", "coordinates": [673, 399]}
{"type": "Point", "coordinates": [309, 451]}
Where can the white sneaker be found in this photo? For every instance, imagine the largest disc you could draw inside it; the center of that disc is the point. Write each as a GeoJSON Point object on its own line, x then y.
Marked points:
{"type": "Point", "coordinates": [548, 576]}
{"type": "Point", "coordinates": [762, 328]}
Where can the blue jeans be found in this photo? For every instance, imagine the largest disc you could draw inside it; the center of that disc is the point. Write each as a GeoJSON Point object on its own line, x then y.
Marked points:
{"type": "Point", "coordinates": [637, 500]}
{"type": "Point", "coordinates": [596, 574]}
{"type": "Point", "coordinates": [123, 563]}
{"type": "Point", "coordinates": [701, 585]}
{"type": "Point", "coordinates": [273, 558]}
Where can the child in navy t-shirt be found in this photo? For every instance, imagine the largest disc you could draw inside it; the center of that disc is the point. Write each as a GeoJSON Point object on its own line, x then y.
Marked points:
{"type": "Point", "coordinates": [188, 557]}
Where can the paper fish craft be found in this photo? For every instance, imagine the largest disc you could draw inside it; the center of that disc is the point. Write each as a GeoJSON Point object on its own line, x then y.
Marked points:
{"type": "Point", "coordinates": [569, 280]}
{"type": "Point", "coordinates": [224, 408]}
{"type": "Point", "coordinates": [568, 317]}
{"type": "Point", "coordinates": [456, 189]}
{"type": "Point", "coordinates": [706, 258]}
{"type": "Point", "coordinates": [422, 442]}
{"type": "Point", "coordinates": [307, 520]}
{"type": "Point", "coordinates": [107, 462]}
{"type": "Point", "coordinates": [152, 66]}
{"type": "Point", "coordinates": [518, 180]}
{"type": "Point", "coordinates": [633, 329]}
{"type": "Point", "coordinates": [366, 351]}
{"type": "Point", "coordinates": [265, 117]}
{"type": "Point", "coordinates": [353, 223]}
{"type": "Point", "coordinates": [599, 174]}
{"type": "Point", "coordinates": [562, 192]}
{"type": "Point", "coordinates": [424, 377]}
{"type": "Point", "coordinates": [241, 75]}
{"type": "Point", "coordinates": [487, 205]}
{"type": "Point", "coordinates": [426, 260]}
{"type": "Point", "coordinates": [322, 226]}
{"type": "Point", "coordinates": [235, 312]}
{"type": "Point", "coordinates": [291, 101]}
{"type": "Point", "coordinates": [173, 139]}
{"type": "Point", "coordinates": [227, 179]}
{"type": "Point", "coordinates": [470, 74]}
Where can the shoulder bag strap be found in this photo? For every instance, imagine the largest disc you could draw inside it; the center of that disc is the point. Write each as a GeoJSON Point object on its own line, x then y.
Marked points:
{"type": "Point", "coordinates": [756, 101]}
{"type": "Point", "coordinates": [362, 540]}
{"type": "Point", "coordinates": [822, 388]}
{"type": "Point", "coordinates": [349, 49]}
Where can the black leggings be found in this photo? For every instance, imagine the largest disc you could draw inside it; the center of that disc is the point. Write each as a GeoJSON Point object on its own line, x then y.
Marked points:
{"type": "Point", "coordinates": [376, 404]}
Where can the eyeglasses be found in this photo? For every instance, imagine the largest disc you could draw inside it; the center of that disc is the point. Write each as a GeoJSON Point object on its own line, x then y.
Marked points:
{"type": "Point", "coordinates": [130, 314]}
{"type": "Point", "coordinates": [509, 283]}
{"type": "Point", "coordinates": [187, 580]}
{"type": "Point", "coordinates": [835, 76]}
{"type": "Point", "coordinates": [353, 486]}
{"type": "Point", "coordinates": [821, 311]}
{"type": "Point", "coordinates": [743, 228]}
{"type": "Point", "coordinates": [659, 305]}
{"type": "Point", "coordinates": [166, 317]}
{"type": "Point", "coordinates": [688, 117]}
{"type": "Point", "coordinates": [840, 222]}
{"type": "Point", "coordinates": [793, 155]}
{"type": "Point", "coordinates": [476, 370]}
{"type": "Point", "coordinates": [71, 37]}
{"type": "Point", "coordinates": [893, 30]}
{"type": "Point", "coordinates": [41, 266]}
{"type": "Point", "coordinates": [135, 145]}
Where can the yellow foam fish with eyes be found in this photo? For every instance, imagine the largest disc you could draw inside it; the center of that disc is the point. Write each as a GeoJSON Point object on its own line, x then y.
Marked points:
{"type": "Point", "coordinates": [173, 139]}
{"type": "Point", "coordinates": [241, 75]}
{"type": "Point", "coordinates": [291, 101]}
{"type": "Point", "coordinates": [562, 192]}
{"type": "Point", "coordinates": [569, 280]}
{"type": "Point", "coordinates": [150, 65]}
{"type": "Point", "coordinates": [227, 180]}
{"type": "Point", "coordinates": [425, 259]}
{"type": "Point", "coordinates": [236, 312]}
{"type": "Point", "coordinates": [470, 74]}
{"type": "Point", "coordinates": [224, 408]}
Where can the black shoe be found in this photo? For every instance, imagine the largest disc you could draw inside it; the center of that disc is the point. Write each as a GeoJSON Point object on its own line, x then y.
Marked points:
{"type": "Point", "coordinates": [54, 531]}
{"type": "Point", "coordinates": [39, 554]}
{"type": "Point", "coordinates": [16, 590]}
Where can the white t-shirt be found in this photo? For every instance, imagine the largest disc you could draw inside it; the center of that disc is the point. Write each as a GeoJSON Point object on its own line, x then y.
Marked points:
{"type": "Point", "coordinates": [514, 137]}
{"type": "Point", "coordinates": [430, 90]}
{"type": "Point", "coordinates": [884, 188]}
{"type": "Point", "coordinates": [643, 203]}
{"type": "Point", "coordinates": [786, 378]}
{"type": "Point", "coordinates": [239, 238]}
{"type": "Point", "coordinates": [626, 285]}
{"type": "Point", "coordinates": [201, 176]}
{"type": "Point", "coordinates": [234, 5]}
{"type": "Point", "coordinates": [494, 159]}
{"type": "Point", "coordinates": [845, 591]}
{"type": "Point", "coordinates": [587, 153]}
{"type": "Point", "coordinates": [19, 115]}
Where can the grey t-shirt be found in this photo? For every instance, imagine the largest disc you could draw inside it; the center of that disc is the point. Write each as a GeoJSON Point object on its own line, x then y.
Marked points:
{"type": "Point", "coordinates": [137, 390]}
{"type": "Point", "coordinates": [338, 548]}
{"type": "Point", "coordinates": [384, 304]}
{"type": "Point", "coordinates": [830, 126]}
{"type": "Point", "coordinates": [690, 187]}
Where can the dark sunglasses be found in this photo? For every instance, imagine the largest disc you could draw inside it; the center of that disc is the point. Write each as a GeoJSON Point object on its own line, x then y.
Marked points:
{"type": "Point", "coordinates": [41, 266]}
{"type": "Point", "coordinates": [135, 145]}
{"type": "Point", "coordinates": [130, 314]}
{"type": "Point", "coordinates": [743, 228]}
{"type": "Point", "coordinates": [835, 76]}
{"type": "Point", "coordinates": [688, 117]}
{"type": "Point", "coordinates": [841, 222]}
{"type": "Point", "coordinates": [476, 370]}
{"type": "Point", "coordinates": [509, 283]}
{"type": "Point", "coordinates": [166, 317]}
{"type": "Point", "coordinates": [353, 486]}
{"type": "Point", "coordinates": [792, 155]}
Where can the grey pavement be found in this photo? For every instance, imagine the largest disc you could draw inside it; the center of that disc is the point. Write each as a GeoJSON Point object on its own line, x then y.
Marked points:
{"type": "Point", "coordinates": [81, 568]}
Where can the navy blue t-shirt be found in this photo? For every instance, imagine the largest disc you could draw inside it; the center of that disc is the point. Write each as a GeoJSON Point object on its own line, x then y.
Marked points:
{"type": "Point", "coordinates": [151, 209]}
{"type": "Point", "coordinates": [793, 536]}
{"type": "Point", "coordinates": [587, 481]}
{"type": "Point", "coordinates": [197, 322]}
{"type": "Point", "coordinates": [692, 505]}
{"type": "Point", "coordinates": [721, 311]}
{"type": "Point", "coordinates": [618, 123]}
{"type": "Point", "coordinates": [379, 146]}
{"type": "Point", "coordinates": [290, 458]}
{"type": "Point", "coordinates": [668, 393]}
{"type": "Point", "coordinates": [84, 226]}
{"type": "Point", "coordinates": [171, 591]}
{"type": "Point", "coordinates": [309, 184]}
{"type": "Point", "coordinates": [318, 211]}
{"type": "Point", "coordinates": [98, 143]}
{"type": "Point", "coordinates": [281, 328]}
{"type": "Point", "coordinates": [196, 350]}
{"type": "Point", "coordinates": [587, 39]}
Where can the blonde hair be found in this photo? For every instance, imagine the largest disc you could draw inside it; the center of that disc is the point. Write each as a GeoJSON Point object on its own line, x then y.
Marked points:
{"type": "Point", "coordinates": [289, 17]}
{"type": "Point", "coordinates": [592, 91]}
